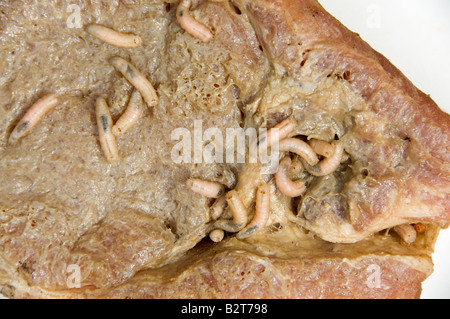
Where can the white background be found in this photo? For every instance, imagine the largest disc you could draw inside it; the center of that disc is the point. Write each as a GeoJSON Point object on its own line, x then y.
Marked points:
{"type": "Point", "coordinates": [415, 36]}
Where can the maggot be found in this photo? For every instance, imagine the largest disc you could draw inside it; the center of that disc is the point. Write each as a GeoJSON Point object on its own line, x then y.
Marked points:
{"type": "Point", "coordinates": [239, 211]}
{"type": "Point", "coordinates": [284, 183]}
{"type": "Point", "coordinates": [33, 116]}
{"type": "Point", "coordinates": [104, 124]}
{"type": "Point", "coordinates": [329, 164]}
{"type": "Point", "coordinates": [302, 149]}
{"type": "Point", "coordinates": [188, 23]}
{"type": "Point", "coordinates": [262, 211]}
{"type": "Point", "coordinates": [276, 133]}
{"type": "Point", "coordinates": [205, 188]}
{"type": "Point", "coordinates": [110, 36]}
{"type": "Point", "coordinates": [131, 114]}
{"type": "Point", "coordinates": [137, 79]}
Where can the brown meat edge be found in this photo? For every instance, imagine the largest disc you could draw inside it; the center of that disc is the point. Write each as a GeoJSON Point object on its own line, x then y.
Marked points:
{"type": "Point", "coordinates": [233, 274]}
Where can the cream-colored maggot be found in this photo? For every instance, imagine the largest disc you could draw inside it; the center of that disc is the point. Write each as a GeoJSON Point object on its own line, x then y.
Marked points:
{"type": "Point", "coordinates": [322, 148]}
{"type": "Point", "coordinates": [239, 211]}
{"type": "Point", "coordinates": [205, 188]}
{"type": "Point", "coordinates": [188, 23]}
{"type": "Point", "coordinates": [240, 214]}
{"type": "Point", "coordinates": [407, 233]}
{"type": "Point", "coordinates": [130, 116]}
{"type": "Point", "coordinates": [329, 164]}
{"type": "Point", "coordinates": [217, 235]}
{"type": "Point", "coordinates": [33, 116]}
{"type": "Point", "coordinates": [137, 79]}
{"type": "Point", "coordinates": [302, 149]}
{"type": "Point", "coordinates": [284, 183]}
{"type": "Point", "coordinates": [262, 211]}
{"type": "Point", "coordinates": [110, 36]}
{"type": "Point", "coordinates": [276, 133]}
{"type": "Point", "coordinates": [107, 139]}
{"type": "Point", "coordinates": [217, 209]}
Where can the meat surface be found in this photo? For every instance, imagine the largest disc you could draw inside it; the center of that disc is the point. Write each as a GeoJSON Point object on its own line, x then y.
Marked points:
{"type": "Point", "coordinates": [133, 229]}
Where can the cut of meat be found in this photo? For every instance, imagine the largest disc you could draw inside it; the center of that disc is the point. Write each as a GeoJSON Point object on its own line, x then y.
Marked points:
{"type": "Point", "coordinates": [73, 225]}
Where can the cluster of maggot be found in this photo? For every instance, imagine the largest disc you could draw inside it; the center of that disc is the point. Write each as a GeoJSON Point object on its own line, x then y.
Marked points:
{"type": "Point", "coordinates": [308, 158]}
{"type": "Point", "coordinates": [308, 152]}
{"type": "Point", "coordinates": [319, 158]}
{"type": "Point", "coordinates": [107, 130]}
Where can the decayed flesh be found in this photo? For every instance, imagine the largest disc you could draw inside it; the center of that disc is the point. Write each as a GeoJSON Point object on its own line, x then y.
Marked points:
{"type": "Point", "coordinates": [266, 65]}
